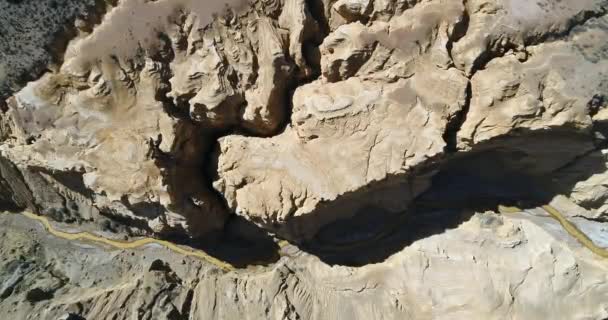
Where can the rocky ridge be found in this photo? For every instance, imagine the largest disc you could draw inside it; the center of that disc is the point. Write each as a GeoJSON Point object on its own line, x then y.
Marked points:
{"type": "Point", "coordinates": [305, 119]}
{"type": "Point", "coordinates": [306, 123]}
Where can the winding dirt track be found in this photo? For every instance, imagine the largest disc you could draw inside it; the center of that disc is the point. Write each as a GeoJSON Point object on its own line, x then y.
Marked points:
{"type": "Point", "coordinates": [575, 232]}
{"type": "Point", "coordinates": [572, 229]}
{"type": "Point", "coordinates": [85, 236]}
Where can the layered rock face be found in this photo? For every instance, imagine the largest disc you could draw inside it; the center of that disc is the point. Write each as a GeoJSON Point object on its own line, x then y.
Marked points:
{"type": "Point", "coordinates": [131, 115]}
{"type": "Point", "coordinates": [491, 267]}
{"type": "Point", "coordinates": [320, 109]}
{"type": "Point", "coordinates": [358, 130]}
{"type": "Point", "coordinates": [409, 87]}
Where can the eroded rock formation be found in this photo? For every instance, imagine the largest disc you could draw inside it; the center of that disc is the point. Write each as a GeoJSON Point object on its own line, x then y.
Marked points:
{"type": "Point", "coordinates": [356, 97]}
{"type": "Point", "coordinates": [134, 114]}
{"type": "Point", "coordinates": [491, 267]}
{"type": "Point", "coordinates": [194, 119]}
{"type": "Point", "coordinates": [395, 95]}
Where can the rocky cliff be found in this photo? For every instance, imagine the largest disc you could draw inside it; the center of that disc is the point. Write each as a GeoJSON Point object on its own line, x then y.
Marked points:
{"type": "Point", "coordinates": [357, 130]}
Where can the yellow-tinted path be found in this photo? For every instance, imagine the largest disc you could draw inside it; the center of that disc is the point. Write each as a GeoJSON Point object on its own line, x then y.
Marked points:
{"type": "Point", "coordinates": [85, 236]}
{"type": "Point", "coordinates": [572, 229]}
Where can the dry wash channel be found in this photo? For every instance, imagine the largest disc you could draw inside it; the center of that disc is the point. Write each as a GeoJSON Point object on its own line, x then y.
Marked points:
{"type": "Point", "coordinates": [568, 226]}
{"type": "Point", "coordinates": [85, 236]}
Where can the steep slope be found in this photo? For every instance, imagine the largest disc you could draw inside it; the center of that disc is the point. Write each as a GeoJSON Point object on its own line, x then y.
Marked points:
{"type": "Point", "coordinates": [366, 133]}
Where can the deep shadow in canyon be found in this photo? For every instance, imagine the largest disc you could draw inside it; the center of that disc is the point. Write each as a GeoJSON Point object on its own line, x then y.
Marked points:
{"type": "Point", "coordinates": [521, 171]}
{"type": "Point", "coordinates": [518, 170]}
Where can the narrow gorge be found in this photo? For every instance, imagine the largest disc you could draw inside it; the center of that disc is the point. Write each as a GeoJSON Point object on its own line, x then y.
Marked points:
{"type": "Point", "coordinates": [304, 159]}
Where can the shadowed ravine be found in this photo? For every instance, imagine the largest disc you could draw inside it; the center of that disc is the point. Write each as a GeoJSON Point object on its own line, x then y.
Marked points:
{"type": "Point", "coordinates": [347, 252]}
{"type": "Point", "coordinates": [303, 159]}
{"type": "Point", "coordinates": [461, 189]}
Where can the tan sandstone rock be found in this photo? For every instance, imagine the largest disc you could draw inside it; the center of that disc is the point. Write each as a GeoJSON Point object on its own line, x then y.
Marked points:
{"type": "Point", "coordinates": [321, 109]}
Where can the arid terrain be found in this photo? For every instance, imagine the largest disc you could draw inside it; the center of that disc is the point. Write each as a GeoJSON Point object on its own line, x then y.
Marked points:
{"type": "Point", "coordinates": [304, 159]}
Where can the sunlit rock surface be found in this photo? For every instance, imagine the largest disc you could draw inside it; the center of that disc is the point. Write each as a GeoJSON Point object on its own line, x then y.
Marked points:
{"type": "Point", "coordinates": [347, 127]}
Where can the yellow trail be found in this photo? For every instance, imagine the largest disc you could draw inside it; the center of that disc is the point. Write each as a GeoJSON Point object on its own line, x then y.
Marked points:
{"type": "Point", "coordinates": [572, 229]}
{"type": "Point", "coordinates": [85, 236]}
{"type": "Point", "coordinates": [129, 244]}
{"type": "Point", "coordinates": [575, 232]}
{"type": "Point", "coordinates": [283, 243]}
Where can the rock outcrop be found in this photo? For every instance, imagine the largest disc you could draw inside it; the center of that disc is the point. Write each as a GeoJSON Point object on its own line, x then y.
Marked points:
{"type": "Point", "coordinates": [134, 116]}
{"type": "Point", "coordinates": [321, 109]}
{"type": "Point", "coordinates": [396, 95]}
{"type": "Point", "coordinates": [344, 136]}
{"type": "Point", "coordinates": [492, 267]}
{"type": "Point", "coordinates": [324, 122]}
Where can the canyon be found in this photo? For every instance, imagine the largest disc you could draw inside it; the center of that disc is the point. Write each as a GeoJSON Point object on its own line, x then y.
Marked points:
{"type": "Point", "coordinates": [347, 159]}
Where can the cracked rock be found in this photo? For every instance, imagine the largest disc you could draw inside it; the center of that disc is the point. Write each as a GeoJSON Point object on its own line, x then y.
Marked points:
{"type": "Point", "coordinates": [377, 137]}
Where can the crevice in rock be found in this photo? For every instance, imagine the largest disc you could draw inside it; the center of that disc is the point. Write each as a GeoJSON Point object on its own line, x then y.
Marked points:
{"type": "Point", "coordinates": [187, 305]}
{"type": "Point", "coordinates": [317, 10]}
{"type": "Point", "coordinates": [312, 57]}
{"type": "Point", "coordinates": [311, 48]}
{"type": "Point", "coordinates": [450, 136]}
{"type": "Point", "coordinates": [600, 219]}
{"type": "Point", "coordinates": [460, 30]}
{"type": "Point", "coordinates": [191, 158]}
{"type": "Point", "coordinates": [183, 173]}
{"type": "Point", "coordinates": [492, 53]}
